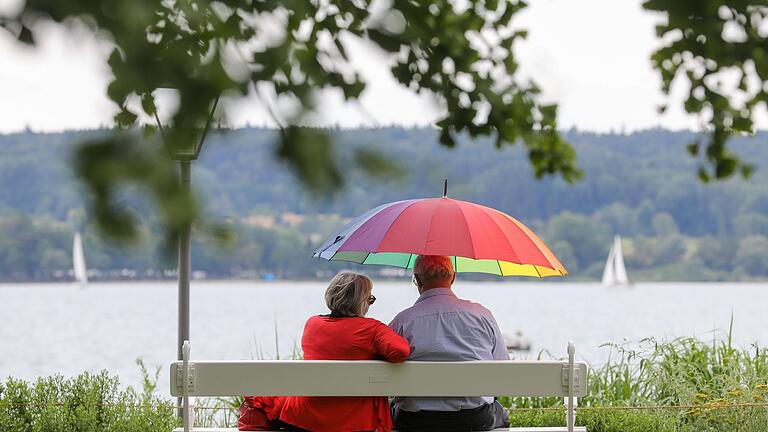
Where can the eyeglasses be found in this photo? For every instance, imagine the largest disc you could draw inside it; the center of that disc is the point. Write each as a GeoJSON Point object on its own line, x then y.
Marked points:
{"type": "Point", "coordinates": [371, 299]}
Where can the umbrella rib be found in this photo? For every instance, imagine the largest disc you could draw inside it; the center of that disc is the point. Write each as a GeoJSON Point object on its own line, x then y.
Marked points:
{"type": "Point", "coordinates": [501, 272]}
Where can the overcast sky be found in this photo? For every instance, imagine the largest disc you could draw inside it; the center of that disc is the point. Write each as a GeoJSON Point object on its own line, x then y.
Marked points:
{"type": "Point", "coordinates": [591, 57]}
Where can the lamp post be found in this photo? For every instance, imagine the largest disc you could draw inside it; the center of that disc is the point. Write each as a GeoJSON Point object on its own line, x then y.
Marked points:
{"type": "Point", "coordinates": [185, 155]}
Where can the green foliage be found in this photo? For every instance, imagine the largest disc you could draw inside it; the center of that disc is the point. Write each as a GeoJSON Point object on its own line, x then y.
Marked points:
{"type": "Point", "coordinates": [119, 161]}
{"type": "Point", "coordinates": [203, 50]}
{"type": "Point", "coordinates": [602, 420]}
{"type": "Point", "coordinates": [718, 49]}
{"type": "Point", "coordinates": [88, 402]}
{"type": "Point", "coordinates": [686, 385]}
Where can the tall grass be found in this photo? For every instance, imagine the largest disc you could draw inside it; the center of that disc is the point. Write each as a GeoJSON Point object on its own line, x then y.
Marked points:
{"type": "Point", "coordinates": [224, 411]}
{"type": "Point", "coordinates": [681, 385]}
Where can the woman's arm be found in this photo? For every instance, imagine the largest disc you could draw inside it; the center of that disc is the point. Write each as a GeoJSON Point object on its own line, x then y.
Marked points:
{"type": "Point", "coordinates": [390, 345]}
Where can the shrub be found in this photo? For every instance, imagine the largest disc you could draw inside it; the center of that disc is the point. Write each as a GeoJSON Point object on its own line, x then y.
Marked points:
{"type": "Point", "coordinates": [86, 403]}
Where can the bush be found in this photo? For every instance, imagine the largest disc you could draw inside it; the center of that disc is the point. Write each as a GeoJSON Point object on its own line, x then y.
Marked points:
{"type": "Point", "coordinates": [86, 403]}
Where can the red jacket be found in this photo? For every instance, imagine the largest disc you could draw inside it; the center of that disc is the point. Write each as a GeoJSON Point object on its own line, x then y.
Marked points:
{"type": "Point", "coordinates": [346, 338]}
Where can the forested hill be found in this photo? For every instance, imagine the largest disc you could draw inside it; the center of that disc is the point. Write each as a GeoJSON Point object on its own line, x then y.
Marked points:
{"type": "Point", "coordinates": [642, 186]}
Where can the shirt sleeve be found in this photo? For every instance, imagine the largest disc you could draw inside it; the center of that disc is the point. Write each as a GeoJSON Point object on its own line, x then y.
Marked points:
{"type": "Point", "coordinates": [499, 351]}
{"type": "Point", "coordinates": [390, 345]}
{"type": "Point", "coordinates": [395, 324]}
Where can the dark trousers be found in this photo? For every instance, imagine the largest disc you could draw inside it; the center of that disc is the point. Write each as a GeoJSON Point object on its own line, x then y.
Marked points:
{"type": "Point", "coordinates": [483, 418]}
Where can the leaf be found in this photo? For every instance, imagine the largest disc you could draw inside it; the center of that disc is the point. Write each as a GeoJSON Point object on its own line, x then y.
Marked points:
{"type": "Point", "coordinates": [747, 170]}
{"type": "Point", "coordinates": [384, 40]}
{"type": "Point", "coordinates": [26, 36]}
{"type": "Point", "coordinates": [148, 103]}
{"type": "Point", "coordinates": [725, 167]}
{"type": "Point", "coordinates": [109, 164]}
{"type": "Point", "coordinates": [308, 152]}
{"type": "Point", "coordinates": [125, 118]}
{"type": "Point", "coordinates": [376, 164]}
{"type": "Point", "coordinates": [703, 175]}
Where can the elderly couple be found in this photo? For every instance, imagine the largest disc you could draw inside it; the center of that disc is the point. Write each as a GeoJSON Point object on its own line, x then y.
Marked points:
{"type": "Point", "coordinates": [438, 327]}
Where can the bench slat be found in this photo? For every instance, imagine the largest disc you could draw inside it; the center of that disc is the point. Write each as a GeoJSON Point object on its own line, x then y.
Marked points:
{"type": "Point", "coordinates": [378, 378]}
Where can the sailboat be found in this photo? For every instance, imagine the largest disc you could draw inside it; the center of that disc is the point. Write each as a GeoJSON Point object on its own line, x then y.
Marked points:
{"type": "Point", "coordinates": [78, 261]}
{"type": "Point", "coordinates": [615, 273]}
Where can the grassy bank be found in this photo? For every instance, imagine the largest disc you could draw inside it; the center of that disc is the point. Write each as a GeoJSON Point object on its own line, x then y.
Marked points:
{"type": "Point", "coordinates": [683, 385]}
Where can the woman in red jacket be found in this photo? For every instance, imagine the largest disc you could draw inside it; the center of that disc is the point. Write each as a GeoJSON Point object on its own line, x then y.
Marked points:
{"type": "Point", "coordinates": [344, 334]}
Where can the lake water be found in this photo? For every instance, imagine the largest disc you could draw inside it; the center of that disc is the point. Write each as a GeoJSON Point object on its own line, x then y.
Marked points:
{"type": "Point", "coordinates": [58, 328]}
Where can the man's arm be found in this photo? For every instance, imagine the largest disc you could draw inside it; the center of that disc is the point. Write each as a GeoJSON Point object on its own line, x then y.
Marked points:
{"type": "Point", "coordinates": [395, 325]}
{"type": "Point", "coordinates": [499, 351]}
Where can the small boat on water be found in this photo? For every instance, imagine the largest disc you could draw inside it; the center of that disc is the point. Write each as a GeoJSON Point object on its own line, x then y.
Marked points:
{"type": "Point", "coordinates": [516, 342]}
{"type": "Point", "coordinates": [78, 261]}
{"type": "Point", "coordinates": [615, 273]}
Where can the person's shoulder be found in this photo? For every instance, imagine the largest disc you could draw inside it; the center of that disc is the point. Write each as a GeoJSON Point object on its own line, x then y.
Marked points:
{"type": "Point", "coordinates": [365, 324]}
{"type": "Point", "coordinates": [370, 321]}
{"type": "Point", "coordinates": [404, 314]}
{"type": "Point", "coordinates": [314, 321]}
{"type": "Point", "coordinates": [474, 307]}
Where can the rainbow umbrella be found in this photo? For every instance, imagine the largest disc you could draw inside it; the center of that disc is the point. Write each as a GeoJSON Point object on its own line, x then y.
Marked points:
{"type": "Point", "coordinates": [478, 238]}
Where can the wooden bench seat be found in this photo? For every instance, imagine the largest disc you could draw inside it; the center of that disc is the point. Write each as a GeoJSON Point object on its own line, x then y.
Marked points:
{"type": "Point", "coordinates": [377, 378]}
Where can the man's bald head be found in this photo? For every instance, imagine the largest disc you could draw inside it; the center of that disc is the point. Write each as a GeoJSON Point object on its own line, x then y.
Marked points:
{"type": "Point", "coordinates": [433, 271]}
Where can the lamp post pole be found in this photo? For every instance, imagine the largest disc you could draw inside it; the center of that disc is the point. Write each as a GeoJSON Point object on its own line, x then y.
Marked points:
{"type": "Point", "coordinates": [185, 262]}
{"type": "Point", "coordinates": [185, 267]}
{"type": "Point", "coordinates": [185, 156]}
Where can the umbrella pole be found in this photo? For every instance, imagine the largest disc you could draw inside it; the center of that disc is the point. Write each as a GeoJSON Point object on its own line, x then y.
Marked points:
{"type": "Point", "coordinates": [184, 269]}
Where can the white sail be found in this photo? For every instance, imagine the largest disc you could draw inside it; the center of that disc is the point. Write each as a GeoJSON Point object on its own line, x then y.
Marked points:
{"type": "Point", "coordinates": [78, 260]}
{"type": "Point", "coordinates": [609, 274]}
{"type": "Point", "coordinates": [615, 273]}
{"type": "Point", "coordinates": [619, 268]}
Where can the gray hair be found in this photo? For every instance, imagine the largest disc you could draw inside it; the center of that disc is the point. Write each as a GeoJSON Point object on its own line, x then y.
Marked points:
{"type": "Point", "coordinates": [433, 268]}
{"type": "Point", "coordinates": [348, 293]}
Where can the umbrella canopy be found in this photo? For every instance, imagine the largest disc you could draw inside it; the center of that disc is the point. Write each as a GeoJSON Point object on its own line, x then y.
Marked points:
{"type": "Point", "coordinates": [478, 238]}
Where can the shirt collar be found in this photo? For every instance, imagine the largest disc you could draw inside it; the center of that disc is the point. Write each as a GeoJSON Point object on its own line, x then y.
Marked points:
{"type": "Point", "coordinates": [435, 292]}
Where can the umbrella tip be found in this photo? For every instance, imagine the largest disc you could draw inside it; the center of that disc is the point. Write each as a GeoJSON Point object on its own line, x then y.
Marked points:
{"type": "Point", "coordinates": [445, 188]}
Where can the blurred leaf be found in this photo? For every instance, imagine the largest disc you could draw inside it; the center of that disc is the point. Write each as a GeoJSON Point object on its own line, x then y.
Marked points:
{"type": "Point", "coordinates": [26, 36]}
{"type": "Point", "coordinates": [378, 165]}
{"type": "Point", "coordinates": [310, 154]}
{"type": "Point", "coordinates": [186, 45]}
{"type": "Point", "coordinates": [108, 165]}
{"type": "Point", "coordinates": [711, 58]}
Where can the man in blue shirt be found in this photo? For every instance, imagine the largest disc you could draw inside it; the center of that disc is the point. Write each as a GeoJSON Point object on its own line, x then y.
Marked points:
{"type": "Point", "coordinates": [443, 327]}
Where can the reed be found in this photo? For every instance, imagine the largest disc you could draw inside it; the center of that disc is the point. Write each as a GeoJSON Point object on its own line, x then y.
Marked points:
{"type": "Point", "coordinates": [685, 384]}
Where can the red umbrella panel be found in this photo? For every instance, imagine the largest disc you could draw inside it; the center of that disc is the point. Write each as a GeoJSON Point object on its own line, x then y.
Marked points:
{"type": "Point", "coordinates": [478, 238]}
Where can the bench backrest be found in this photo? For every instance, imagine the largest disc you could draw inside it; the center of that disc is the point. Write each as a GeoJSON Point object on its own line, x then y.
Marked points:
{"type": "Point", "coordinates": [378, 378]}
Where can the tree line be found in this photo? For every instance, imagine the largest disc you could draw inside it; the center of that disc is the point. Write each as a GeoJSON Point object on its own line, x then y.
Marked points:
{"type": "Point", "coordinates": [641, 186]}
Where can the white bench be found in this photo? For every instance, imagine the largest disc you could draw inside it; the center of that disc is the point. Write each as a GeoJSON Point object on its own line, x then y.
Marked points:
{"type": "Point", "coordinates": [566, 379]}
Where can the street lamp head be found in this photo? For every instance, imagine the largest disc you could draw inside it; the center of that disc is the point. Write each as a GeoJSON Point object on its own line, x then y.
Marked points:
{"type": "Point", "coordinates": [184, 143]}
